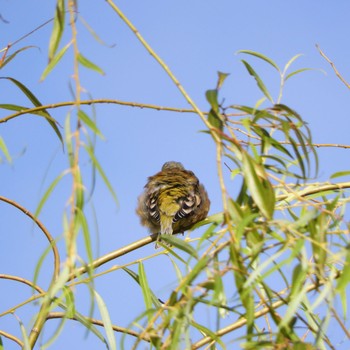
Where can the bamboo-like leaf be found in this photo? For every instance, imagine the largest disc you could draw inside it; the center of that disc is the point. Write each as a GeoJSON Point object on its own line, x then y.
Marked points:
{"type": "Point", "coordinates": [59, 283]}
{"type": "Point", "coordinates": [207, 332]}
{"type": "Point", "coordinates": [48, 192]}
{"type": "Point", "coordinates": [180, 244]}
{"type": "Point", "coordinates": [53, 62]}
{"type": "Point", "coordinates": [36, 103]}
{"type": "Point", "coordinates": [86, 233]}
{"type": "Point", "coordinates": [221, 78]}
{"type": "Point", "coordinates": [214, 117]}
{"type": "Point", "coordinates": [12, 107]}
{"type": "Point", "coordinates": [89, 123]}
{"type": "Point", "coordinates": [261, 56]}
{"type": "Point", "coordinates": [88, 64]}
{"type": "Point", "coordinates": [339, 174]}
{"type": "Point", "coordinates": [55, 335]}
{"type": "Point", "coordinates": [297, 72]}
{"type": "Point", "coordinates": [5, 150]}
{"type": "Point", "coordinates": [12, 56]}
{"type": "Point", "coordinates": [26, 345]}
{"type": "Point", "coordinates": [101, 172]}
{"type": "Point", "coordinates": [196, 270]}
{"type": "Point", "coordinates": [106, 322]}
{"type": "Point", "coordinates": [146, 292]}
{"type": "Point", "coordinates": [136, 277]}
{"type": "Point", "coordinates": [258, 185]}
{"type": "Point", "coordinates": [343, 282]}
{"type": "Point", "coordinates": [289, 63]}
{"type": "Point", "coordinates": [58, 27]}
{"type": "Point", "coordinates": [258, 80]}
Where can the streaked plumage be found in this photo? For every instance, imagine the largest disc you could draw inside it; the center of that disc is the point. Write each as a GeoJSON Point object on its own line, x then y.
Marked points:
{"type": "Point", "coordinates": [173, 200]}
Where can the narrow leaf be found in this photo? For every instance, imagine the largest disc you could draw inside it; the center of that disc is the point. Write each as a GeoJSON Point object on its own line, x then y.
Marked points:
{"type": "Point", "coordinates": [36, 103]}
{"type": "Point", "coordinates": [106, 321]}
{"type": "Point", "coordinates": [53, 62]}
{"type": "Point", "coordinates": [258, 80]}
{"type": "Point", "coordinates": [89, 123]}
{"type": "Point", "coordinates": [145, 288]}
{"type": "Point", "coordinates": [180, 244]}
{"type": "Point", "coordinates": [58, 27]}
{"type": "Point", "coordinates": [258, 185]}
{"type": "Point", "coordinates": [5, 150]}
{"type": "Point", "coordinates": [88, 64]}
{"type": "Point", "coordinates": [261, 56]}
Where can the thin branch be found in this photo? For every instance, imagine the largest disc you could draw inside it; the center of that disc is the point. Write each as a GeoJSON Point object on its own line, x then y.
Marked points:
{"type": "Point", "coordinates": [241, 322]}
{"type": "Point", "coordinates": [113, 255]}
{"type": "Point", "coordinates": [22, 280]}
{"type": "Point", "coordinates": [11, 337]}
{"type": "Point", "coordinates": [333, 66]}
{"type": "Point", "coordinates": [54, 315]}
{"type": "Point", "coordinates": [35, 110]}
{"type": "Point", "coordinates": [43, 229]}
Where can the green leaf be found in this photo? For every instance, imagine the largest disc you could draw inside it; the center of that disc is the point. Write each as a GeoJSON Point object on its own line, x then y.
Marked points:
{"type": "Point", "coordinates": [89, 123]}
{"type": "Point", "coordinates": [26, 345]}
{"type": "Point", "coordinates": [214, 117]}
{"type": "Point", "coordinates": [136, 277]}
{"type": "Point", "coordinates": [48, 192]}
{"type": "Point", "coordinates": [258, 185]}
{"type": "Point", "coordinates": [297, 72]}
{"type": "Point", "coordinates": [36, 103]}
{"type": "Point", "coordinates": [4, 150]}
{"type": "Point", "coordinates": [106, 321]}
{"type": "Point", "coordinates": [221, 78]}
{"type": "Point", "coordinates": [146, 292]}
{"type": "Point", "coordinates": [101, 172]}
{"type": "Point", "coordinates": [261, 56]}
{"type": "Point", "coordinates": [196, 270]}
{"type": "Point", "coordinates": [53, 62]}
{"type": "Point", "coordinates": [340, 173]}
{"type": "Point", "coordinates": [88, 64]}
{"type": "Point", "coordinates": [258, 80]}
{"type": "Point", "coordinates": [207, 332]}
{"type": "Point", "coordinates": [58, 27]}
{"type": "Point", "coordinates": [12, 56]}
{"type": "Point", "coordinates": [180, 244]}
{"type": "Point", "coordinates": [289, 63]}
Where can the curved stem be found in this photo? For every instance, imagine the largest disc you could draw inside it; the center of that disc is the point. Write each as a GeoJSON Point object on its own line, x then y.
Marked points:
{"type": "Point", "coordinates": [43, 229]}
{"type": "Point", "coordinates": [54, 315]}
{"type": "Point", "coordinates": [11, 337]}
{"type": "Point", "coordinates": [22, 280]}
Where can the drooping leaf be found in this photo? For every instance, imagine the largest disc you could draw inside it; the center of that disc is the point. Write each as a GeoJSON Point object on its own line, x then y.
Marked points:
{"type": "Point", "coordinates": [88, 64]}
{"type": "Point", "coordinates": [53, 62]}
{"type": "Point", "coordinates": [258, 80]}
{"type": "Point", "coordinates": [36, 103]}
{"type": "Point", "coordinates": [106, 321]}
{"type": "Point", "coordinates": [258, 185]}
{"type": "Point", "coordinates": [58, 27]}
{"type": "Point", "coordinates": [261, 56]}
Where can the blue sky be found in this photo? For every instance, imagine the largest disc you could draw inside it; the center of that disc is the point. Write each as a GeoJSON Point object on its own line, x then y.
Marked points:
{"type": "Point", "coordinates": [195, 39]}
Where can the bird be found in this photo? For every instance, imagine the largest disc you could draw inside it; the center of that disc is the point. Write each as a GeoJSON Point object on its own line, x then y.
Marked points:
{"type": "Point", "coordinates": [173, 201]}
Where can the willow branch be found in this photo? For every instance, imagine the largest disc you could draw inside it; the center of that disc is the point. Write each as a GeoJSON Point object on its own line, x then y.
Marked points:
{"type": "Point", "coordinates": [43, 229]}
{"type": "Point", "coordinates": [55, 315]}
{"type": "Point", "coordinates": [165, 67]}
{"type": "Point", "coordinates": [241, 322]}
{"type": "Point", "coordinates": [22, 280]}
{"type": "Point", "coordinates": [36, 110]}
{"type": "Point", "coordinates": [333, 67]}
{"type": "Point", "coordinates": [113, 255]}
{"type": "Point", "coordinates": [11, 337]}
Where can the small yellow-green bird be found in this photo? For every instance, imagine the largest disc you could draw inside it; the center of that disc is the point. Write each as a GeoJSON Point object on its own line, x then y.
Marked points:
{"type": "Point", "coordinates": [173, 201]}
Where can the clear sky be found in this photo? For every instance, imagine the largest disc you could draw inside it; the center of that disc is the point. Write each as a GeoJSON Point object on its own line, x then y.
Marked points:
{"type": "Point", "coordinates": [195, 39]}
